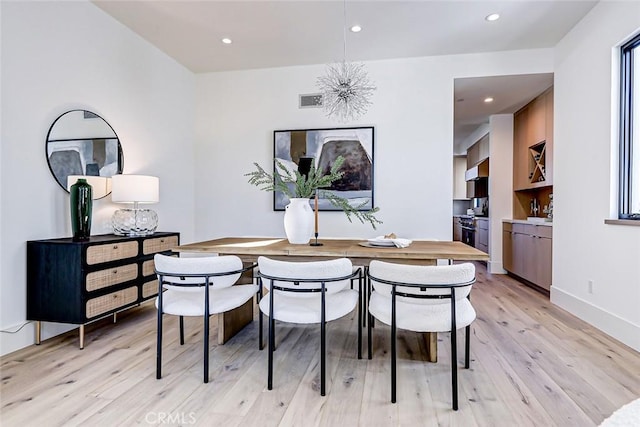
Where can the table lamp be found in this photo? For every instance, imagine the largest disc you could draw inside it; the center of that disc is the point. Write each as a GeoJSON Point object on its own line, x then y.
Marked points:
{"type": "Point", "coordinates": [134, 189]}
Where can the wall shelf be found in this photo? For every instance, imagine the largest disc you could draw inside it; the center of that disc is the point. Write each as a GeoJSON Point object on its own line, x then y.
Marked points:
{"type": "Point", "coordinates": [537, 163]}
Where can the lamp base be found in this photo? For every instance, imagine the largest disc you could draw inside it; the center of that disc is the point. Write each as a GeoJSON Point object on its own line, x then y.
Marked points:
{"type": "Point", "coordinates": [134, 222]}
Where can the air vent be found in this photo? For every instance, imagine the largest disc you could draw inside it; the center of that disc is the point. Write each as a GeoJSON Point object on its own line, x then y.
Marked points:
{"type": "Point", "coordinates": [311, 100]}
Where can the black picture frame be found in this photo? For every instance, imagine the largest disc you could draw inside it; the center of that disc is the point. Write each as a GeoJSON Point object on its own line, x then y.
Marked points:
{"type": "Point", "coordinates": [355, 144]}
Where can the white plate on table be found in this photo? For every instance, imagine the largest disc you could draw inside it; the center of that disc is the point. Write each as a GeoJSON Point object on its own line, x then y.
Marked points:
{"type": "Point", "coordinates": [369, 245]}
{"type": "Point", "coordinates": [381, 242]}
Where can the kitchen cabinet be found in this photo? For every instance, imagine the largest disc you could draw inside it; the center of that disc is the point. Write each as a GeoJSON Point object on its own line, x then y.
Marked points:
{"type": "Point", "coordinates": [507, 248]}
{"type": "Point", "coordinates": [526, 252]}
{"type": "Point", "coordinates": [477, 172]}
{"type": "Point", "coordinates": [533, 144]}
{"type": "Point", "coordinates": [80, 282]}
{"type": "Point", "coordinates": [473, 155]}
{"type": "Point", "coordinates": [549, 137]}
{"type": "Point", "coordinates": [536, 121]}
{"type": "Point", "coordinates": [478, 151]}
{"type": "Point", "coordinates": [459, 184]}
{"type": "Point", "coordinates": [482, 234]}
{"type": "Point", "coordinates": [457, 229]}
{"type": "Point", "coordinates": [520, 171]}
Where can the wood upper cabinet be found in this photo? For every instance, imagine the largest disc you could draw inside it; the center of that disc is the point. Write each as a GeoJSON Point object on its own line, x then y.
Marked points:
{"type": "Point", "coordinates": [478, 151]}
{"type": "Point", "coordinates": [473, 155]}
{"type": "Point", "coordinates": [459, 184]}
{"type": "Point", "coordinates": [536, 122]}
{"type": "Point", "coordinates": [520, 162]}
{"type": "Point", "coordinates": [533, 144]}
{"type": "Point", "coordinates": [549, 137]}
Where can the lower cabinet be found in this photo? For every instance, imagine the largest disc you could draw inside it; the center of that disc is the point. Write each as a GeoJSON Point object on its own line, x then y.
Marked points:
{"type": "Point", "coordinates": [482, 234]}
{"type": "Point", "coordinates": [79, 282]}
{"type": "Point", "coordinates": [526, 252]}
{"type": "Point", "coordinates": [457, 229]}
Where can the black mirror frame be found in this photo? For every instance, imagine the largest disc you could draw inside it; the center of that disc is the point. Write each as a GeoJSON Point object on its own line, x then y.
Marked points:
{"type": "Point", "coordinates": [46, 146]}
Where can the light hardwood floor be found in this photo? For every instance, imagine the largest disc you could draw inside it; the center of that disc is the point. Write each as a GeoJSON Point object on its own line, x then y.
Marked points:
{"type": "Point", "coordinates": [532, 364]}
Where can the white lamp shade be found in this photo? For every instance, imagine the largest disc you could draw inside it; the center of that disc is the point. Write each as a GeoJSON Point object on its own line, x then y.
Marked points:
{"type": "Point", "coordinates": [100, 185]}
{"type": "Point", "coordinates": [135, 188]}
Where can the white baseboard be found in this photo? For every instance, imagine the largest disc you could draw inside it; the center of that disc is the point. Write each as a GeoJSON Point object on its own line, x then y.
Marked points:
{"type": "Point", "coordinates": [10, 342]}
{"type": "Point", "coordinates": [620, 329]}
{"type": "Point", "coordinates": [495, 267]}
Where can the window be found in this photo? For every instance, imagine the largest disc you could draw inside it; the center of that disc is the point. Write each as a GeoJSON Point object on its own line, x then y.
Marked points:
{"type": "Point", "coordinates": [629, 203]}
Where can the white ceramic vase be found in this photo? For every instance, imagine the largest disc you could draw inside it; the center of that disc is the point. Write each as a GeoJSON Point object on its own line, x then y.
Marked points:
{"type": "Point", "coordinates": [298, 221]}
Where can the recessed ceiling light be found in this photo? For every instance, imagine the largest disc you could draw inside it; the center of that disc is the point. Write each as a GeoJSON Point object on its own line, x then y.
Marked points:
{"type": "Point", "coordinates": [492, 17]}
{"type": "Point", "coordinates": [356, 29]}
{"type": "Point", "coordinates": [488, 99]}
{"type": "Point", "coordinates": [226, 40]}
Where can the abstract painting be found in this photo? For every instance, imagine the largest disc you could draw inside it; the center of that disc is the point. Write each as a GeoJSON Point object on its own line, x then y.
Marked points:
{"type": "Point", "coordinates": [325, 145]}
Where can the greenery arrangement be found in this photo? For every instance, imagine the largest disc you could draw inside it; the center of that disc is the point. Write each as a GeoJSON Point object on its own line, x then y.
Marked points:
{"type": "Point", "coordinates": [306, 186]}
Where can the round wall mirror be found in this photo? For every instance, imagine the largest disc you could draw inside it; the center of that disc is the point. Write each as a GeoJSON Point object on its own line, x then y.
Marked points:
{"type": "Point", "coordinates": [81, 143]}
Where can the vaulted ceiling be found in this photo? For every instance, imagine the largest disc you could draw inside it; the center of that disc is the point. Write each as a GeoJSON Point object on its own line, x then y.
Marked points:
{"type": "Point", "coordinates": [286, 33]}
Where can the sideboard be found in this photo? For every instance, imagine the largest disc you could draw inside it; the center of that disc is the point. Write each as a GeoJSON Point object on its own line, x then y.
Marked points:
{"type": "Point", "coordinates": [78, 282]}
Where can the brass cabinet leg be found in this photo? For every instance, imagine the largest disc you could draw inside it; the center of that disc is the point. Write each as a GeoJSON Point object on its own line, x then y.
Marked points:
{"type": "Point", "coordinates": [431, 340]}
{"type": "Point", "coordinates": [38, 331]}
{"type": "Point", "coordinates": [115, 317]}
{"type": "Point", "coordinates": [81, 337]}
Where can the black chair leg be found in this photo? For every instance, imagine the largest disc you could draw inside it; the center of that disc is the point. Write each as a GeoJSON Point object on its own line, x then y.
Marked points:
{"type": "Point", "coordinates": [181, 330]}
{"type": "Point", "coordinates": [393, 364]}
{"type": "Point", "coordinates": [454, 371]}
{"type": "Point", "coordinates": [259, 298]}
{"type": "Point", "coordinates": [323, 344]}
{"type": "Point", "coordinates": [393, 345]}
{"type": "Point", "coordinates": [467, 346]}
{"type": "Point", "coordinates": [206, 349]}
{"type": "Point", "coordinates": [271, 341]}
{"type": "Point", "coordinates": [364, 293]}
{"type": "Point", "coordinates": [360, 316]}
{"type": "Point", "coordinates": [454, 353]}
{"type": "Point", "coordinates": [159, 347]}
{"type": "Point", "coordinates": [369, 341]}
{"type": "Point", "coordinates": [260, 344]}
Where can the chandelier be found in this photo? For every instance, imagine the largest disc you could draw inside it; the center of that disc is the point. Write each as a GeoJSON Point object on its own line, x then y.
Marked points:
{"type": "Point", "coordinates": [346, 88]}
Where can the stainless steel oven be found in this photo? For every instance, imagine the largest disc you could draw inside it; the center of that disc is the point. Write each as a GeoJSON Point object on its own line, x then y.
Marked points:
{"type": "Point", "coordinates": [468, 224]}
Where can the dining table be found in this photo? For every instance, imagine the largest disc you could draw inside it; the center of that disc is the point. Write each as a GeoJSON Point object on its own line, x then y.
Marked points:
{"type": "Point", "coordinates": [360, 251]}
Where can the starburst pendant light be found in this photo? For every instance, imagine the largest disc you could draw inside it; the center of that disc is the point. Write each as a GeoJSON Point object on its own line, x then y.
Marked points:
{"type": "Point", "coordinates": [346, 88]}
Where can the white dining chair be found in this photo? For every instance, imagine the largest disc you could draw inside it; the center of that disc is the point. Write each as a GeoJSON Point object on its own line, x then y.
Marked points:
{"type": "Point", "coordinates": [306, 293]}
{"type": "Point", "coordinates": [198, 287]}
{"type": "Point", "coordinates": [422, 299]}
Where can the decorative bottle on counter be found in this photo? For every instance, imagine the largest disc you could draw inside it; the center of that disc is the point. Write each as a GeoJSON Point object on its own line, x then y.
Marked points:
{"type": "Point", "coordinates": [81, 199]}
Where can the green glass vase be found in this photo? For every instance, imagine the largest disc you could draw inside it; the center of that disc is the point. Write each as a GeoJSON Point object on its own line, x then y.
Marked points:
{"type": "Point", "coordinates": [81, 198]}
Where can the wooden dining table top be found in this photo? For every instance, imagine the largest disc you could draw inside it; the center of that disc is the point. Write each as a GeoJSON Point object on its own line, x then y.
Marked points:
{"type": "Point", "coordinates": [418, 252]}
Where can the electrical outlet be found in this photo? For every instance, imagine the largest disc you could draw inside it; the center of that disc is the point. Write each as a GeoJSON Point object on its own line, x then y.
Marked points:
{"type": "Point", "coordinates": [590, 286]}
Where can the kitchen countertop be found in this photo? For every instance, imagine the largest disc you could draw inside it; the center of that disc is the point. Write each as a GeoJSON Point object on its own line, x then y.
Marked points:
{"type": "Point", "coordinates": [524, 221]}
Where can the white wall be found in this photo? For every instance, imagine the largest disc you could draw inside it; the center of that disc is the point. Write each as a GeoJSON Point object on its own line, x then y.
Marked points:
{"type": "Point", "coordinates": [58, 56]}
{"type": "Point", "coordinates": [413, 117]}
{"type": "Point", "coordinates": [585, 142]}
{"type": "Point", "coordinates": [500, 184]}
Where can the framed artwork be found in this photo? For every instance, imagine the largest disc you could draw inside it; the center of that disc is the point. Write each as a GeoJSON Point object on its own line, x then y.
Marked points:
{"type": "Point", "coordinates": [324, 146]}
